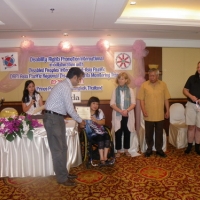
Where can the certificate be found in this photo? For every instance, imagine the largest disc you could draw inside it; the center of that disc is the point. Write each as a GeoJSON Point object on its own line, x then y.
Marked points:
{"type": "Point", "coordinates": [83, 112]}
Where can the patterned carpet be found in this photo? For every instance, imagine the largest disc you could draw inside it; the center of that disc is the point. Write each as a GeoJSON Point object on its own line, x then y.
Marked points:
{"type": "Point", "coordinates": [176, 177]}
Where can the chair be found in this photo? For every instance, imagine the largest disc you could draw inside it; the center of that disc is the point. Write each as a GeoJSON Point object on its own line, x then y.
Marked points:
{"type": "Point", "coordinates": [8, 112]}
{"type": "Point", "coordinates": [142, 141]}
{"type": "Point", "coordinates": [177, 127]}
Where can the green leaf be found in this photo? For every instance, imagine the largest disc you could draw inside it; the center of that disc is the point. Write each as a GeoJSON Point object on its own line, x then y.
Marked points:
{"type": "Point", "coordinates": [10, 137]}
{"type": "Point", "coordinates": [30, 135]}
{"type": "Point", "coordinates": [19, 133]}
{"type": "Point", "coordinates": [10, 119]}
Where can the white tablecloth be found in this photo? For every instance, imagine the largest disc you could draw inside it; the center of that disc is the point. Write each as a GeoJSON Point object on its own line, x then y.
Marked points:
{"type": "Point", "coordinates": [23, 157]}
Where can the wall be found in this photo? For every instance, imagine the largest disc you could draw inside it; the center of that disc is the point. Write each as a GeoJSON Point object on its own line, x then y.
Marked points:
{"type": "Point", "coordinates": [179, 59]}
{"type": "Point", "coordinates": [178, 65]}
{"type": "Point", "coordinates": [179, 56]}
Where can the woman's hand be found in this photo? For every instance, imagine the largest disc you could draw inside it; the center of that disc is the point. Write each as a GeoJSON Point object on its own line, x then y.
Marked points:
{"type": "Point", "coordinates": [124, 113]}
{"type": "Point", "coordinates": [93, 119]}
{"type": "Point", "coordinates": [33, 101]}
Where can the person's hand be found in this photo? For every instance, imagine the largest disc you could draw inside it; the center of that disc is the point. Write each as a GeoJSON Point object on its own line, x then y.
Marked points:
{"type": "Point", "coordinates": [82, 124]}
{"type": "Point", "coordinates": [145, 113]}
{"type": "Point", "coordinates": [93, 119]}
{"type": "Point", "coordinates": [193, 98]}
{"type": "Point", "coordinates": [33, 101]}
{"type": "Point", "coordinates": [167, 115]}
{"type": "Point", "coordinates": [124, 113]}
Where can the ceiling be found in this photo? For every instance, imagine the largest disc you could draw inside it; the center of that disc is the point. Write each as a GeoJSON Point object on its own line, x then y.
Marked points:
{"type": "Point", "coordinates": [100, 18]}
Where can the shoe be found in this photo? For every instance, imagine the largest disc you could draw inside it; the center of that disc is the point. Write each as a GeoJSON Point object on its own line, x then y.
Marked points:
{"type": "Point", "coordinates": [189, 148]}
{"type": "Point", "coordinates": [68, 182]}
{"type": "Point", "coordinates": [148, 154]}
{"type": "Point", "coordinates": [127, 153]}
{"type": "Point", "coordinates": [161, 154]}
{"type": "Point", "coordinates": [102, 163]}
{"type": "Point", "coordinates": [108, 162]}
{"type": "Point", "coordinates": [72, 176]}
{"type": "Point", "coordinates": [117, 154]}
{"type": "Point", "coordinates": [197, 150]}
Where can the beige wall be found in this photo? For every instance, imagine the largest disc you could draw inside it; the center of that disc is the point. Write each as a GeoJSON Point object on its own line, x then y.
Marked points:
{"type": "Point", "coordinates": [178, 64]}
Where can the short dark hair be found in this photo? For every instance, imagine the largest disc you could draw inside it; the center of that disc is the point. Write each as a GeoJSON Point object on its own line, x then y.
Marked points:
{"type": "Point", "coordinates": [91, 100]}
{"type": "Point", "coordinates": [74, 71]}
{"type": "Point", "coordinates": [196, 75]}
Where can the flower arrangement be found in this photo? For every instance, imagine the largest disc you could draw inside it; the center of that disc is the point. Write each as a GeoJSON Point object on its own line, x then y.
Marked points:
{"type": "Point", "coordinates": [15, 126]}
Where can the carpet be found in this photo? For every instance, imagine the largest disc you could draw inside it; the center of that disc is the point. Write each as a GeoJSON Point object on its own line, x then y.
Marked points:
{"type": "Point", "coordinates": [176, 177]}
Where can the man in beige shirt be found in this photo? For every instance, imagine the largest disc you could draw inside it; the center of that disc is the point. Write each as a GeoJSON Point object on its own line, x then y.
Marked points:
{"type": "Point", "coordinates": [153, 96]}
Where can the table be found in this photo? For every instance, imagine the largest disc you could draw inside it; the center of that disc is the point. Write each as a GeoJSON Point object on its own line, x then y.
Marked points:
{"type": "Point", "coordinates": [23, 157]}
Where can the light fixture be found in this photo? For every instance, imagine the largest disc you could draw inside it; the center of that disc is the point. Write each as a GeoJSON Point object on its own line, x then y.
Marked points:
{"type": "Point", "coordinates": [65, 46]}
{"type": "Point", "coordinates": [103, 45]}
{"type": "Point", "coordinates": [52, 10]}
{"type": "Point", "coordinates": [132, 3]}
{"type": "Point", "coordinates": [27, 44]}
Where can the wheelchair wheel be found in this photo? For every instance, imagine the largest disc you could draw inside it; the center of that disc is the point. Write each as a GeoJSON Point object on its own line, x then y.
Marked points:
{"type": "Point", "coordinates": [111, 153]}
{"type": "Point", "coordinates": [88, 150]}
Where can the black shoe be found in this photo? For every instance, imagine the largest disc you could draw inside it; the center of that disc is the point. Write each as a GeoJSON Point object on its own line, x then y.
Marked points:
{"type": "Point", "coordinates": [161, 154]}
{"type": "Point", "coordinates": [108, 162]}
{"type": "Point", "coordinates": [187, 151]}
{"type": "Point", "coordinates": [68, 182]}
{"type": "Point", "coordinates": [189, 148]}
{"type": "Point", "coordinates": [148, 153]}
{"type": "Point", "coordinates": [102, 163]}
{"type": "Point", "coordinates": [72, 176]}
{"type": "Point", "coordinates": [197, 148]}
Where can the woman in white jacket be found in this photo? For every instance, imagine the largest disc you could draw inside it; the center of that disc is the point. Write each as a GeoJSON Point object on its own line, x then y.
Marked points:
{"type": "Point", "coordinates": [123, 118]}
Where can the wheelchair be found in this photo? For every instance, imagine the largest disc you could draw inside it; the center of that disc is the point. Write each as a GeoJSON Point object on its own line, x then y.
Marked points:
{"type": "Point", "coordinates": [89, 149]}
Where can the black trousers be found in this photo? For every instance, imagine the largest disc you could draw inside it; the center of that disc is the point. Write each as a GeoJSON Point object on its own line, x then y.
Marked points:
{"type": "Point", "coordinates": [150, 128]}
{"type": "Point", "coordinates": [118, 135]}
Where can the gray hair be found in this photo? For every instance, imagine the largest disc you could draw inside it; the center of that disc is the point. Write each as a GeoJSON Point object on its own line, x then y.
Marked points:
{"type": "Point", "coordinates": [154, 70]}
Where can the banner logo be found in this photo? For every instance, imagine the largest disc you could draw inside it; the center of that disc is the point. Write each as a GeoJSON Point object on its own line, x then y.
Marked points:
{"type": "Point", "coordinates": [123, 60]}
{"type": "Point", "coordinates": [9, 62]}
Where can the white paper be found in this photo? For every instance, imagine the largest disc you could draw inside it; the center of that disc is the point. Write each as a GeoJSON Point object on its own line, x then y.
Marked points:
{"type": "Point", "coordinates": [83, 112]}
